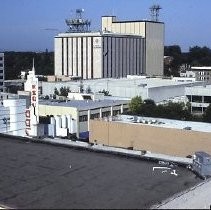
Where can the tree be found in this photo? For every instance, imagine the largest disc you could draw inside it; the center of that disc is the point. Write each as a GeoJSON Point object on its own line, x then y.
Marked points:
{"type": "Point", "coordinates": [148, 108]}
{"type": "Point", "coordinates": [56, 92]}
{"type": "Point", "coordinates": [199, 56]}
{"type": "Point", "coordinates": [135, 105]}
{"type": "Point", "coordinates": [15, 62]}
{"type": "Point", "coordinates": [175, 52]}
{"type": "Point", "coordinates": [207, 114]}
{"type": "Point", "coordinates": [88, 89]}
{"type": "Point", "coordinates": [64, 91]}
{"type": "Point", "coordinates": [105, 92]}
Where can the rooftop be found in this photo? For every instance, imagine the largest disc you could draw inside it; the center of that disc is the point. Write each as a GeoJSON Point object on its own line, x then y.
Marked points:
{"type": "Point", "coordinates": [142, 82]}
{"type": "Point", "coordinates": [201, 68]}
{"type": "Point", "coordinates": [166, 123]}
{"type": "Point", "coordinates": [84, 105]}
{"type": "Point", "coordinates": [95, 34]}
{"type": "Point", "coordinates": [46, 176]}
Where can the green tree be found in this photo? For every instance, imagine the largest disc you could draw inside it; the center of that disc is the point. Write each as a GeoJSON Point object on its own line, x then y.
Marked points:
{"type": "Point", "coordinates": [135, 105]}
{"type": "Point", "coordinates": [64, 91]}
{"type": "Point", "coordinates": [56, 92]}
{"type": "Point", "coordinates": [199, 56]}
{"type": "Point", "coordinates": [148, 108]}
{"type": "Point", "coordinates": [88, 89]}
{"type": "Point", "coordinates": [175, 52]}
{"type": "Point", "coordinates": [207, 114]}
{"type": "Point", "coordinates": [105, 92]}
{"type": "Point", "coordinates": [15, 62]}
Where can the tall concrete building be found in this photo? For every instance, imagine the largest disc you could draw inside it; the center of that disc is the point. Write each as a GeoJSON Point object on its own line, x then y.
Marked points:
{"type": "Point", "coordinates": [99, 55]}
{"type": "Point", "coordinates": [1, 72]}
{"type": "Point", "coordinates": [151, 31]}
{"type": "Point", "coordinates": [121, 48]}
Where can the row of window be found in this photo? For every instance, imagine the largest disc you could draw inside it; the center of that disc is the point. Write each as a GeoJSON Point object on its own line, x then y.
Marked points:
{"type": "Point", "coordinates": [203, 73]}
{"type": "Point", "coordinates": [204, 78]}
{"type": "Point", "coordinates": [84, 118]}
{"type": "Point", "coordinates": [199, 99]}
{"type": "Point", "coordinates": [77, 50]}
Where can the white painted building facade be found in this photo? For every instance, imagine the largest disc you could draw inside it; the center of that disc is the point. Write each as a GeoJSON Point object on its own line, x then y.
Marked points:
{"type": "Point", "coordinates": [12, 116]}
{"type": "Point", "coordinates": [32, 115]}
{"type": "Point", "coordinates": [199, 97]}
{"type": "Point", "coordinates": [157, 89]}
{"type": "Point", "coordinates": [99, 55]}
{"type": "Point", "coordinates": [73, 116]}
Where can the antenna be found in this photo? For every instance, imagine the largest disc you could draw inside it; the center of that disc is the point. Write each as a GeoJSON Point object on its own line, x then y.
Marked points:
{"type": "Point", "coordinates": [154, 11]}
{"type": "Point", "coordinates": [78, 24]}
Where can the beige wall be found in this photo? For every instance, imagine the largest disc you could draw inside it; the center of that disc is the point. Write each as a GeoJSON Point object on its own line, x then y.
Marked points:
{"type": "Point", "coordinates": [145, 137]}
{"type": "Point", "coordinates": [45, 110]}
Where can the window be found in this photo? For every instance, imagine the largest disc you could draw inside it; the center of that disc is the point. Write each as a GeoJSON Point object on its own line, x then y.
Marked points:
{"type": "Point", "coordinates": [1, 58]}
{"type": "Point", "coordinates": [116, 112]}
{"type": "Point", "coordinates": [197, 99]}
{"type": "Point", "coordinates": [96, 115]}
{"type": "Point", "coordinates": [1, 77]}
{"type": "Point", "coordinates": [83, 118]}
{"type": "Point", "coordinates": [87, 97]}
{"type": "Point", "coordinates": [106, 114]}
{"type": "Point", "coordinates": [1, 64]}
{"type": "Point", "coordinates": [1, 71]}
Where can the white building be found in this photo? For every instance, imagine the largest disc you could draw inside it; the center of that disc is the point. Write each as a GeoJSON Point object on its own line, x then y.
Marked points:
{"type": "Point", "coordinates": [12, 117]}
{"type": "Point", "coordinates": [99, 55]}
{"type": "Point", "coordinates": [32, 116]}
{"type": "Point", "coordinates": [122, 48]}
{"type": "Point", "coordinates": [200, 73]}
{"type": "Point", "coordinates": [1, 72]}
{"type": "Point", "coordinates": [157, 89]}
{"type": "Point", "coordinates": [199, 97]}
{"type": "Point", "coordinates": [73, 116]}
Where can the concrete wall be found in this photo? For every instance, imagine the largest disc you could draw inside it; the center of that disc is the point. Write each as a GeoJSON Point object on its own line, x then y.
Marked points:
{"type": "Point", "coordinates": [154, 48]}
{"type": "Point", "coordinates": [159, 94]}
{"type": "Point", "coordinates": [145, 137]}
{"type": "Point", "coordinates": [153, 32]}
{"type": "Point", "coordinates": [93, 55]}
{"type": "Point", "coordinates": [123, 55]}
{"type": "Point", "coordinates": [78, 55]}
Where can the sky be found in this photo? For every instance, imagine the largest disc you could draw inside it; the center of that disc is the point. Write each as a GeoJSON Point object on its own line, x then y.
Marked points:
{"type": "Point", "coordinates": [24, 22]}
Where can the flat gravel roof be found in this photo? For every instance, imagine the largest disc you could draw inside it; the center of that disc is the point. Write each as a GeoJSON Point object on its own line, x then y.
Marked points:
{"type": "Point", "coordinates": [84, 104]}
{"type": "Point", "coordinates": [35, 175]}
